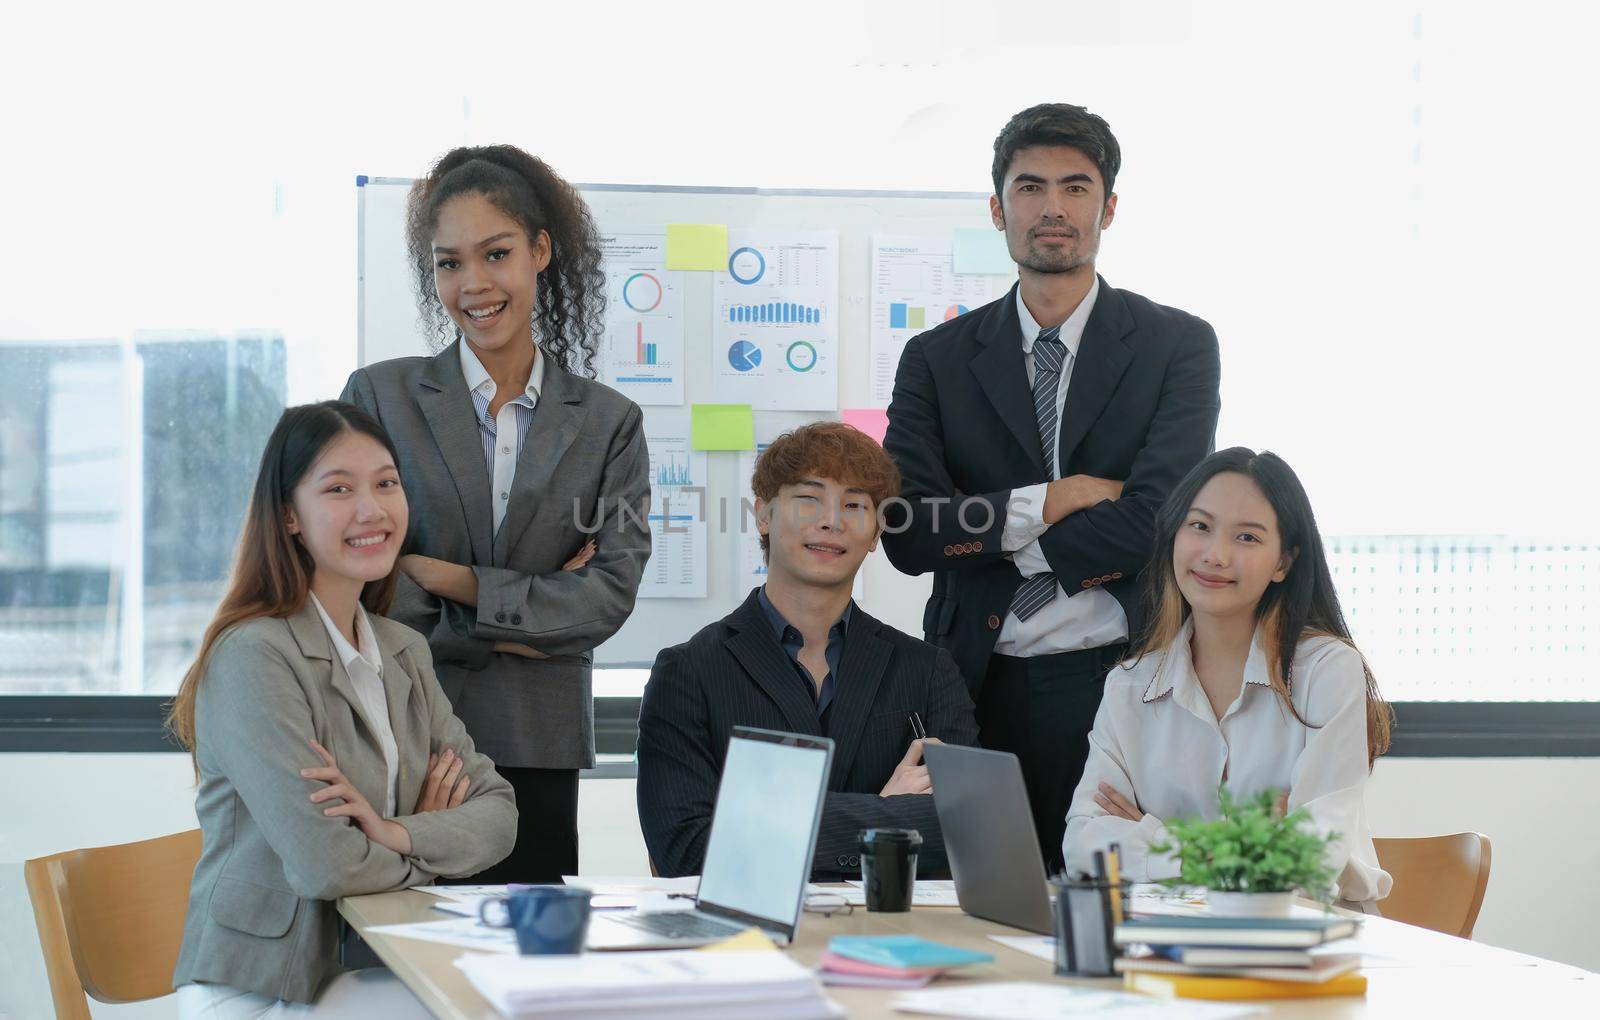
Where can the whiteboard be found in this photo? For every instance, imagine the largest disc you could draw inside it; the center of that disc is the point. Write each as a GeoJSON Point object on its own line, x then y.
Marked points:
{"type": "Point", "coordinates": [387, 328]}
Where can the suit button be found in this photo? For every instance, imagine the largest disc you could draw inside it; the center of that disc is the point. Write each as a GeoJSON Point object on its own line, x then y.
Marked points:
{"type": "Point", "coordinates": [855, 860]}
{"type": "Point", "coordinates": [994, 622]}
{"type": "Point", "coordinates": [977, 547]}
{"type": "Point", "coordinates": [1116, 575]}
{"type": "Point", "coordinates": [516, 618]}
{"type": "Point", "coordinates": [844, 862]}
{"type": "Point", "coordinates": [1089, 584]}
{"type": "Point", "coordinates": [949, 550]}
{"type": "Point", "coordinates": [500, 618]}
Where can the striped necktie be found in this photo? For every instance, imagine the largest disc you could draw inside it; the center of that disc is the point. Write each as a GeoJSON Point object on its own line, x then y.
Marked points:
{"type": "Point", "coordinates": [1049, 354]}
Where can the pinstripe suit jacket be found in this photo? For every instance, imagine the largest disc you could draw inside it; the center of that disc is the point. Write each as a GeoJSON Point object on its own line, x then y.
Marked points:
{"type": "Point", "coordinates": [735, 673]}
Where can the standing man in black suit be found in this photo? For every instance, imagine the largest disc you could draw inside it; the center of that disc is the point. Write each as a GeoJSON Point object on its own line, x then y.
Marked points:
{"type": "Point", "coordinates": [1037, 437]}
{"type": "Point", "coordinates": [801, 656]}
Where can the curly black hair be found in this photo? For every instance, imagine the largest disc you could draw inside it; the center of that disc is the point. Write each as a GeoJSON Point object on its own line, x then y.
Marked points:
{"type": "Point", "coordinates": [569, 311]}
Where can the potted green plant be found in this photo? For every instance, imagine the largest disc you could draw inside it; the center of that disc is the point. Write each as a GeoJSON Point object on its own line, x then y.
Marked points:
{"type": "Point", "coordinates": [1252, 858]}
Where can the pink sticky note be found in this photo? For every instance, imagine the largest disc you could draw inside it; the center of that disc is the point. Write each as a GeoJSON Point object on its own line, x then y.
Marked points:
{"type": "Point", "coordinates": [871, 420]}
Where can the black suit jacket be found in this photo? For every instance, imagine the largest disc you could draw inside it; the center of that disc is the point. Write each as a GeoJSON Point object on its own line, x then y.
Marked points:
{"type": "Point", "coordinates": [735, 673]}
{"type": "Point", "coordinates": [1141, 406]}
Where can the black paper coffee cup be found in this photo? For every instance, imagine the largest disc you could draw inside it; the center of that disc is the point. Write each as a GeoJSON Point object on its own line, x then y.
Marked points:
{"type": "Point", "coordinates": [889, 867]}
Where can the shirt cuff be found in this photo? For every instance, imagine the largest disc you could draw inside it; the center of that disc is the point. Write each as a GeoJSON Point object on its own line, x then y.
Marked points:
{"type": "Point", "coordinates": [1024, 518]}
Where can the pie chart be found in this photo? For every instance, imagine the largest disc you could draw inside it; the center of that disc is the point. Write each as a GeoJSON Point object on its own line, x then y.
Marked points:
{"type": "Point", "coordinates": [953, 311]}
{"type": "Point", "coordinates": [801, 356]}
{"type": "Point", "coordinates": [747, 265]}
{"type": "Point", "coordinates": [744, 355]}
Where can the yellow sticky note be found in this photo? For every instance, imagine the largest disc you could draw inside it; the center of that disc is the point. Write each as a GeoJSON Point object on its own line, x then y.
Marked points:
{"type": "Point", "coordinates": [697, 246]}
{"type": "Point", "coordinates": [722, 427]}
{"type": "Point", "coordinates": [751, 940]}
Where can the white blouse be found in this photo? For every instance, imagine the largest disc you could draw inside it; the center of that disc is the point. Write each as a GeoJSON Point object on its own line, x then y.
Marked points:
{"type": "Point", "coordinates": [364, 666]}
{"type": "Point", "coordinates": [1157, 741]}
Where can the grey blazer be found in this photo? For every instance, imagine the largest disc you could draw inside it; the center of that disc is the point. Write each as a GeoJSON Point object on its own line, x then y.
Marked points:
{"type": "Point", "coordinates": [583, 467]}
{"type": "Point", "coordinates": [261, 913]}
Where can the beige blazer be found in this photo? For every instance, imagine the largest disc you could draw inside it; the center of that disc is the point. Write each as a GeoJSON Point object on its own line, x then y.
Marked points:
{"type": "Point", "coordinates": [261, 912]}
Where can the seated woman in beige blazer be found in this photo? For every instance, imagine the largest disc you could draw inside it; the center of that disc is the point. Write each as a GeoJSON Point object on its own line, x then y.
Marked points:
{"type": "Point", "coordinates": [328, 761]}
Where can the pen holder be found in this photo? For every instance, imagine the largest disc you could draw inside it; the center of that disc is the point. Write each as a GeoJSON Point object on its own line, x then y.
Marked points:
{"type": "Point", "coordinates": [1083, 924]}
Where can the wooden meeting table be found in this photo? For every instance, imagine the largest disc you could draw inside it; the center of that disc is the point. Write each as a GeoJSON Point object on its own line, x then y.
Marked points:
{"type": "Point", "coordinates": [1430, 975]}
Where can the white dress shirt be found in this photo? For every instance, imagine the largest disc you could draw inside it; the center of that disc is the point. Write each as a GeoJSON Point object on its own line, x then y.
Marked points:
{"type": "Point", "coordinates": [1157, 741]}
{"type": "Point", "coordinates": [1089, 618]}
{"type": "Point", "coordinates": [500, 450]}
{"type": "Point", "coordinates": [364, 666]}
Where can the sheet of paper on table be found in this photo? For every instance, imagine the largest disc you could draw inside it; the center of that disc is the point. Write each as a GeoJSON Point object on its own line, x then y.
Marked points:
{"type": "Point", "coordinates": [465, 932]}
{"type": "Point", "coordinates": [461, 892]}
{"type": "Point", "coordinates": [1042, 946]}
{"type": "Point", "coordinates": [626, 885]}
{"type": "Point", "coordinates": [928, 892]}
{"type": "Point", "coordinates": [1030, 1000]}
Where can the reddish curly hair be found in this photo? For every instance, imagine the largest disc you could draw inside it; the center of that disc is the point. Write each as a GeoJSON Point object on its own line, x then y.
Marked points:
{"type": "Point", "coordinates": [826, 449]}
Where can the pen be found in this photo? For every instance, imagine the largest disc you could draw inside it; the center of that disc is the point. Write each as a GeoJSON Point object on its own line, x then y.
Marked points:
{"type": "Point", "coordinates": [1114, 874]}
{"type": "Point", "coordinates": [917, 729]}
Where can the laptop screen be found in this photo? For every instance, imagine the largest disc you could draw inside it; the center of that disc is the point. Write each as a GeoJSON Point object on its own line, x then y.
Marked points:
{"type": "Point", "coordinates": [758, 857]}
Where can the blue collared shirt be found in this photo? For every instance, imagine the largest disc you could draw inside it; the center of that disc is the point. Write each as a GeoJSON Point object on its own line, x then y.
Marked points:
{"type": "Point", "coordinates": [792, 642]}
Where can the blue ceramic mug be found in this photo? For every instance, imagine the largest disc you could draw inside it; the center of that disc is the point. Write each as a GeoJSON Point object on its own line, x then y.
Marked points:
{"type": "Point", "coordinates": [548, 919]}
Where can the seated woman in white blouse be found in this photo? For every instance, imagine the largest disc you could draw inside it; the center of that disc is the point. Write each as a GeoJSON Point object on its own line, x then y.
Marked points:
{"type": "Point", "coordinates": [1246, 675]}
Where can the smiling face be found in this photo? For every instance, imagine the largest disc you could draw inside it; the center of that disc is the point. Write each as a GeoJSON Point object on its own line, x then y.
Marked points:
{"type": "Point", "coordinates": [1228, 549]}
{"type": "Point", "coordinates": [1052, 208]}
{"type": "Point", "coordinates": [486, 271]}
{"type": "Point", "coordinates": [350, 512]}
{"type": "Point", "coordinates": [818, 531]}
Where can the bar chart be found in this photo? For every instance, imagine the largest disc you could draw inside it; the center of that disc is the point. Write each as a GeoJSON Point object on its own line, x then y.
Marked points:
{"type": "Point", "coordinates": [903, 316]}
{"type": "Point", "coordinates": [645, 353]}
{"type": "Point", "coordinates": [670, 471]}
{"type": "Point", "coordinates": [775, 312]}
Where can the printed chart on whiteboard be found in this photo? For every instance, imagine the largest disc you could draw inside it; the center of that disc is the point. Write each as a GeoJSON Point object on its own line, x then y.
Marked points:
{"type": "Point", "coordinates": [643, 353]}
{"type": "Point", "coordinates": [677, 565]}
{"type": "Point", "coordinates": [774, 321]}
{"type": "Point", "coordinates": [914, 288]}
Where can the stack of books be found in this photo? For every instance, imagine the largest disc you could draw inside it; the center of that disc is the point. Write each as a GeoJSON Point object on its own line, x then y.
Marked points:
{"type": "Point", "coordinates": [650, 985]}
{"type": "Point", "coordinates": [1238, 957]}
{"type": "Point", "coordinates": [891, 961]}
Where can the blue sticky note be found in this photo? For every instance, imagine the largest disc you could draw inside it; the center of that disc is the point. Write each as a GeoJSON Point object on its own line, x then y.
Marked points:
{"type": "Point", "coordinates": [981, 251]}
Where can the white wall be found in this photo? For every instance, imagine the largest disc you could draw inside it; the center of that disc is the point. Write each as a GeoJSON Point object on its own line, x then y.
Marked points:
{"type": "Point", "coordinates": [1540, 812]}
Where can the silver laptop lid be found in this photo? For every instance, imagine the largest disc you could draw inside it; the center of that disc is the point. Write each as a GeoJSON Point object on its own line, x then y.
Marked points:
{"type": "Point", "coordinates": [764, 831]}
{"type": "Point", "coordinates": [989, 836]}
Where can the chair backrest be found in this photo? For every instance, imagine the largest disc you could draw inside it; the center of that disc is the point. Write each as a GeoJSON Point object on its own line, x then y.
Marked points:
{"type": "Point", "coordinates": [1439, 881]}
{"type": "Point", "coordinates": [110, 919]}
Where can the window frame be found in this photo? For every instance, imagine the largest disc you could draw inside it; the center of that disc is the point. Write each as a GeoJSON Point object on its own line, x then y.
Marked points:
{"type": "Point", "coordinates": [133, 724]}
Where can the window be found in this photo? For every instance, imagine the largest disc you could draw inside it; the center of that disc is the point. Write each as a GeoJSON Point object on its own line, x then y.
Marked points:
{"type": "Point", "coordinates": [1390, 232]}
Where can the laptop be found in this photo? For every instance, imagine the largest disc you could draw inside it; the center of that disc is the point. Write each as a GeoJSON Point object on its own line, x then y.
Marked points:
{"type": "Point", "coordinates": [989, 836]}
{"type": "Point", "coordinates": [758, 856]}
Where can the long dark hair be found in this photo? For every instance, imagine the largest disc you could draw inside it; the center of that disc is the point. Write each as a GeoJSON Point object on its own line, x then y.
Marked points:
{"type": "Point", "coordinates": [272, 570]}
{"type": "Point", "coordinates": [1304, 604]}
{"type": "Point", "coordinates": [569, 309]}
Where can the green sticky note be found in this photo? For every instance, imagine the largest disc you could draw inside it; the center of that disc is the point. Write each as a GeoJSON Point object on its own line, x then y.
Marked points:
{"type": "Point", "coordinates": [722, 427]}
{"type": "Point", "coordinates": [981, 251]}
{"type": "Point", "coordinates": [697, 246]}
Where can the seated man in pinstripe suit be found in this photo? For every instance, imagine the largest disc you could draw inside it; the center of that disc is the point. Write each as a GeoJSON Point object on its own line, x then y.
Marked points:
{"type": "Point", "coordinates": [800, 656]}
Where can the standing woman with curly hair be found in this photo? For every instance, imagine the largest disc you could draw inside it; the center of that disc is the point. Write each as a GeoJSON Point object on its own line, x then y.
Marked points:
{"type": "Point", "coordinates": [529, 481]}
